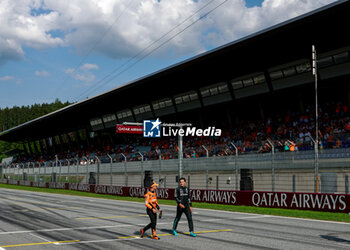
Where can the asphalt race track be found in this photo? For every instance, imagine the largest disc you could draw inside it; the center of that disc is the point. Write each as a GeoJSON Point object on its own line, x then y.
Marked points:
{"type": "Point", "coordinates": [50, 221]}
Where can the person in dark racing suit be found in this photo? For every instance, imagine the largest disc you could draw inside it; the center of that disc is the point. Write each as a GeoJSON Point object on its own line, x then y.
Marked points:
{"type": "Point", "coordinates": [184, 205]}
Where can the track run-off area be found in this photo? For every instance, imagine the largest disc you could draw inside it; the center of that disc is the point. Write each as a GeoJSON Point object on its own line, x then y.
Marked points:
{"type": "Point", "coordinates": [34, 220]}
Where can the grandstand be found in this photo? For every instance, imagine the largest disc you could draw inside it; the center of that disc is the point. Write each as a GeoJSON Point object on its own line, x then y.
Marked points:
{"type": "Point", "coordinates": [257, 88]}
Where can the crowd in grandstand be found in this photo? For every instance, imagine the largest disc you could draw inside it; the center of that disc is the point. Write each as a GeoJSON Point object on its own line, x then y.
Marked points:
{"type": "Point", "coordinates": [292, 131]}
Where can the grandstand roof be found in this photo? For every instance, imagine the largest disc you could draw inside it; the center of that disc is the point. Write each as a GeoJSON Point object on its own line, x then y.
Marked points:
{"type": "Point", "coordinates": [277, 45]}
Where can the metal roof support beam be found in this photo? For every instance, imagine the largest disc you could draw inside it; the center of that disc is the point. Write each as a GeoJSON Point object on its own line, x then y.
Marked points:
{"type": "Point", "coordinates": [174, 103]}
{"type": "Point", "coordinates": [133, 114]}
{"type": "Point", "coordinates": [268, 80]}
{"type": "Point", "coordinates": [152, 110]}
{"type": "Point", "coordinates": [200, 98]}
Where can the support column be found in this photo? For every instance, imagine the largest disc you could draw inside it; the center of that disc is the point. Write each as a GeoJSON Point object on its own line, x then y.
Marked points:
{"type": "Point", "coordinates": [42, 148]}
{"type": "Point", "coordinates": [88, 141]}
{"type": "Point", "coordinates": [69, 141]}
{"type": "Point", "coordinates": [48, 146]}
{"type": "Point", "coordinates": [30, 148]}
{"type": "Point", "coordinates": [36, 147]}
{"type": "Point", "coordinates": [54, 145]}
{"type": "Point", "coordinates": [25, 147]}
{"type": "Point", "coordinates": [268, 80]}
{"type": "Point", "coordinates": [61, 142]}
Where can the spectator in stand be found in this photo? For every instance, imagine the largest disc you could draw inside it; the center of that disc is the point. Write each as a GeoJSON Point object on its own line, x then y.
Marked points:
{"type": "Point", "coordinates": [248, 136]}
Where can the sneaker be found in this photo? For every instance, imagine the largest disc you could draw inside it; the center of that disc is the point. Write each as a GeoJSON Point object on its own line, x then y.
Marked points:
{"type": "Point", "coordinates": [155, 237]}
{"type": "Point", "coordinates": [141, 233]}
{"type": "Point", "coordinates": [192, 234]}
{"type": "Point", "coordinates": [175, 233]}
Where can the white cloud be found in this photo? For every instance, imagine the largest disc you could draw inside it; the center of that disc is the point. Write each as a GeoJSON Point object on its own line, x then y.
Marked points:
{"type": "Point", "coordinates": [88, 66]}
{"type": "Point", "coordinates": [111, 29]}
{"type": "Point", "coordinates": [69, 71]}
{"type": "Point", "coordinates": [83, 74]}
{"type": "Point", "coordinates": [10, 49]}
{"type": "Point", "coordinates": [6, 78]}
{"type": "Point", "coordinates": [89, 77]}
{"type": "Point", "coordinates": [20, 28]}
{"type": "Point", "coordinates": [42, 73]}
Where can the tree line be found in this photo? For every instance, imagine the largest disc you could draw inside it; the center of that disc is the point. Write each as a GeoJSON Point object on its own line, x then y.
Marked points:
{"type": "Point", "coordinates": [12, 117]}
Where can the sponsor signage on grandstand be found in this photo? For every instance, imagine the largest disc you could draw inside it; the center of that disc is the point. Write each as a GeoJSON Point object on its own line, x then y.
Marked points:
{"type": "Point", "coordinates": [129, 129]}
{"type": "Point", "coordinates": [155, 128]}
{"type": "Point", "coordinates": [339, 203]}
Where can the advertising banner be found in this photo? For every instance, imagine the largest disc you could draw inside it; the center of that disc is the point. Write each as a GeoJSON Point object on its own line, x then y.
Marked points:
{"type": "Point", "coordinates": [305, 201]}
{"type": "Point", "coordinates": [129, 129]}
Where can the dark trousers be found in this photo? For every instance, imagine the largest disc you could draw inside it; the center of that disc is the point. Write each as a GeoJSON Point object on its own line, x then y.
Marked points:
{"type": "Point", "coordinates": [153, 217]}
{"type": "Point", "coordinates": [187, 211]}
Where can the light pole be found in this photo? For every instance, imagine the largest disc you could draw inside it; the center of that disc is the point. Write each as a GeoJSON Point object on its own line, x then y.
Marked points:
{"type": "Point", "coordinates": [159, 167]}
{"type": "Point", "coordinates": [110, 170]}
{"type": "Point", "coordinates": [316, 166]}
{"type": "Point", "coordinates": [314, 72]}
{"type": "Point", "coordinates": [68, 166]}
{"type": "Point", "coordinates": [77, 169]}
{"type": "Point", "coordinates": [87, 169]}
{"type": "Point", "coordinates": [98, 170]}
{"type": "Point", "coordinates": [207, 171]}
{"type": "Point", "coordinates": [206, 151]}
{"type": "Point", "coordinates": [236, 169]}
{"type": "Point", "coordinates": [180, 148]}
{"type": "Point", "coordinates": [125, 171]}
{"type": "Point", "coordinates": [141, 168]}
{"type": "Point", "coordinates": [56, 158]}
{"type": "Point", "coordinates": [272, 163]}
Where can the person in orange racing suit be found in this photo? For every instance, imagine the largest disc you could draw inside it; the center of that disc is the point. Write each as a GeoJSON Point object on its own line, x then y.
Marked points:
{"type": "Point", "coordinates": [151, 206]}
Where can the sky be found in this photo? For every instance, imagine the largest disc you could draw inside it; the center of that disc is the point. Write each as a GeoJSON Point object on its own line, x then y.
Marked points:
{"type": "Point", "coordinates": [75, 49]}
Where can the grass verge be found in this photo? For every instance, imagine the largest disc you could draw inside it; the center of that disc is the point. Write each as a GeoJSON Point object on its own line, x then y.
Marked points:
{"type": "Point", "coordinates": [340, 217]}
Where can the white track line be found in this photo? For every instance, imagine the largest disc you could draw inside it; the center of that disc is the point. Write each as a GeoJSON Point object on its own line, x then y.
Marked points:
{"type": "Point", "coordinates": [63, 229]}
{"type": "Point", "coordinates": [240, 218]}
{"type": "Point", "coordinates": [80, 228]}
{"type": "Point", "coordinates": [39, 237]}
{"type": "Point", "coordinates": [252, 217]}
{"type": "Point", "coordinates": [322, 221]}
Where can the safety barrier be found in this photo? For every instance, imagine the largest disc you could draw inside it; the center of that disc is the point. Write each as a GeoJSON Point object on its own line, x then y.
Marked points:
{"type": "Point", "coordinates": [339, 203]}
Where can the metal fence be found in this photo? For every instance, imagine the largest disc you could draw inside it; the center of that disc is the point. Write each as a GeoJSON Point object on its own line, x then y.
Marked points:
{"type": "Point", "coordinates": [280, 172]}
